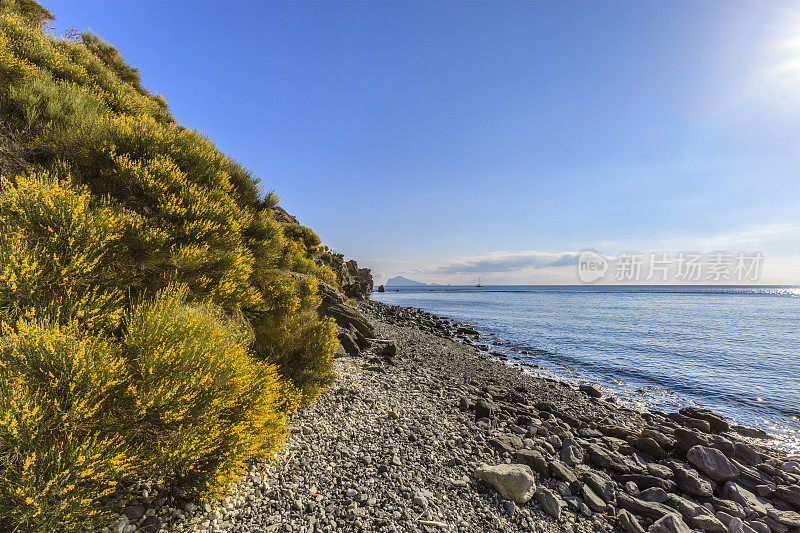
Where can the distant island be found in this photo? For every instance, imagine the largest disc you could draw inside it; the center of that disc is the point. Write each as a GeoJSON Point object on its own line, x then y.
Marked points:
{"type": "Point", "coordinates": [400, 281]}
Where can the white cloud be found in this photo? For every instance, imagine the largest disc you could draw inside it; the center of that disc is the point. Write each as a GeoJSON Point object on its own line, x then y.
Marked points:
{"type": "Point", "coordinates": [502, 262]}
{"type": "Point", "coordinates": [752, 236]}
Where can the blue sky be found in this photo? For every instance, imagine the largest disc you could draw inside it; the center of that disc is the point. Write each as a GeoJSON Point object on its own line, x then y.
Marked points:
{"type": "Point", "coordinates": [441, 140]}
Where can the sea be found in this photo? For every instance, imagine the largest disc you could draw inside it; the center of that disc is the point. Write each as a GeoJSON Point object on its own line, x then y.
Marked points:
{"type": "Point", "coordinates": [732, 349]}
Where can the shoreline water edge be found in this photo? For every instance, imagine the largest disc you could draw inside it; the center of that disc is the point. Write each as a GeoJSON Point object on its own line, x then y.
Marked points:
{"type": "Point", "coordinates": [423, 432]}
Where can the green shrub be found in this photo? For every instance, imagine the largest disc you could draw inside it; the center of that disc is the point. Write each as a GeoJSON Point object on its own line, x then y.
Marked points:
{"type": "Point", "coordinates": [195, 216]}
{"type": "Point", "coordinates": [62, 258]}
{"type": "Point", "coordinates": [142, 267]}
{"type": "Point", "coordinates": [177, 399]}
{"type": "Point", "coordinates": [202, 406]}
{"type": "Point", "coordinates": [306, 355]}
{"type": "Point", "coordinates": [57, 458]}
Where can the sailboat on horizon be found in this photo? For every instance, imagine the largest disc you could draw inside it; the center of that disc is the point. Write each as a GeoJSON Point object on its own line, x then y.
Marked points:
{"type": "Point", "coordinates": [479, 282]}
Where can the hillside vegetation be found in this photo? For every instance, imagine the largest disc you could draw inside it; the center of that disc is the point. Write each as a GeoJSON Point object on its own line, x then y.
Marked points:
{"type": "Point", "coordinates": [159, 315]}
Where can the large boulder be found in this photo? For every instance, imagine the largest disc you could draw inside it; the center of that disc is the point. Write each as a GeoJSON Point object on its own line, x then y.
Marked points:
{"type": "Point", "coordinates": [514, 482]}
{"type": "Point", "coordinates": [712, 463]}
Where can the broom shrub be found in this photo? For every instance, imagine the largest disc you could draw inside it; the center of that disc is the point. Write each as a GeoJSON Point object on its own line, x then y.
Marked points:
{"type": "Point", "coordinates": [159, 313]}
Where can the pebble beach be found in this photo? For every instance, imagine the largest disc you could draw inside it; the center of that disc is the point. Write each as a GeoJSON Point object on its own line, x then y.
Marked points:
{"type": "Point", "coordinates": [423, 432]}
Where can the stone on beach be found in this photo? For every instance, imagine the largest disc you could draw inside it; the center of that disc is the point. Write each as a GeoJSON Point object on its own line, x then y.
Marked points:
{"type": "Point", "coordinates": [514, 482]}
{"type": "Point", "coordinates": [443, 407]}
{"type": "Point", "coordinates": [629, 523]}
{"type": "Point", "coordinates": [670, 523]}
{"type": "Point", "coordinates": [712, 463]}
{"type": "Point", "coordinates": [549, 502]}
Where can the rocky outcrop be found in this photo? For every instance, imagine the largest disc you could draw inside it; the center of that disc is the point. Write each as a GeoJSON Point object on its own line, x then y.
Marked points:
{"type": "Point", "coordinates": [346, 316]}
{"type": "Point", "coordinates": [356, 282]}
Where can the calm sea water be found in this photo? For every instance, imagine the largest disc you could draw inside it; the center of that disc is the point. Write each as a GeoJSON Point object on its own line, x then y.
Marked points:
{"type": "Point", "coordinates": [735, 350]}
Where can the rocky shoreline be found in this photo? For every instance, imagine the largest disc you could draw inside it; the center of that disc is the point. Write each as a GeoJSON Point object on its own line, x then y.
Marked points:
{"type": "Point", "coordinates": [424, 432]}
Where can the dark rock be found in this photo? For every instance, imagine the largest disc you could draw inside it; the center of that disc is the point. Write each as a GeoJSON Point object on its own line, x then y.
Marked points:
{"type": "Point", "coordinates": [744, 497]}
{"type": "Point", "coordinates": [661, 471]}
{"type": "Point", "coordinates": [753, 433]}
{"type": "Point", "coordinates": [464, 405]}
{"type": "Point", "coordinates": [484, 409]}
{"type": "Point", "coordinates": [712, 463]}
{"type": "Point", "coordinates": [775, 526]}
{"type": "Point", "coordinates": [691, 483]}
{"type": "Point", "coordinates": [349, 345]}
{"type": "Point", "coordinates": [722, 444]}
{"type": "Point", "coordinates": [151, 524]}
{"type": "Point", "coordinates": [381, 288]}
{"type": "Point", "coordinates": [654, 494]}
{"type": "Point", "coordinates": [134, 513]}
{"type": "Point", "coordinates": [787, 518]}
{"type": "Point", "coordinates": [590, 390]}
{"type": "Point", "coordinates": [506, 443]}
{"type": "Point", "coordinates": [696, 515]}
{"type": "Point", "coordinates": [759, 527]}
{"type": "Point", "coordinates": [685, 439]}
{"type": "Point", "coordinates": [604, 458]}
{"type": "Point", "coordinates": [561, 471]}
{"type": "Point", "coordinates": [548, 501]}
{"type": "Point", "coordinates": [665, 442]}
{"type": "Point", "coordinates": [746, 454]}
{"type": "Point", "coordinates": [648, 446]}
{"type": "Point", "coordinates": [644, 481]}
{"type": "Point", "coordinates": [601, 484]}
{"type": "Point", "coordinates": [346, 316]}
{"type": "Point", "coordinates": [386, 348]}
{"type": "Point", "coordinates": [641, 507]}
{"type": "Point", "coordinates": [617, 432]}
{"type": "Point", "coordinates": [629, 523]}
{"type": "Point", "coordinates": [727, 506]}
{"type": "Point", "coordinates": [790, 495]}
{"type": "Point", "coordinates": [572, 454]}
{"type": "Point", "coordinates": [670, 523]}
{"type": "Point", "coordinates": [594, 501]}
{"type": "Point", "coordinates": [533, 459]}
{"type": "Point", "coordinates": [716, 421]}
{"type": "Point", "coordinates": [689, 422]}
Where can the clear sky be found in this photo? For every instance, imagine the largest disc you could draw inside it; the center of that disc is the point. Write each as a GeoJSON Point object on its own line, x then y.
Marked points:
{"type": "Point", "coordinates": [446, 140]}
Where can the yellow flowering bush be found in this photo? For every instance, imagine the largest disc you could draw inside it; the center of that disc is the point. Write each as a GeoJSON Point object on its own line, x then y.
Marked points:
{"type": "Point", "coordinates": [159, 314]}
{"type": "Point", "coordinates": [58, 459]}
{"type": "Point", "coordinates": [202, 406]}
{"type": "Point", "coordinates": [194, 215]}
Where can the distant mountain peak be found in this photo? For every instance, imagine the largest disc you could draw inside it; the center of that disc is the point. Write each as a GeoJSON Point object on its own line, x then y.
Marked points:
{"type": "Point", "coordinates": [400, 281]}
